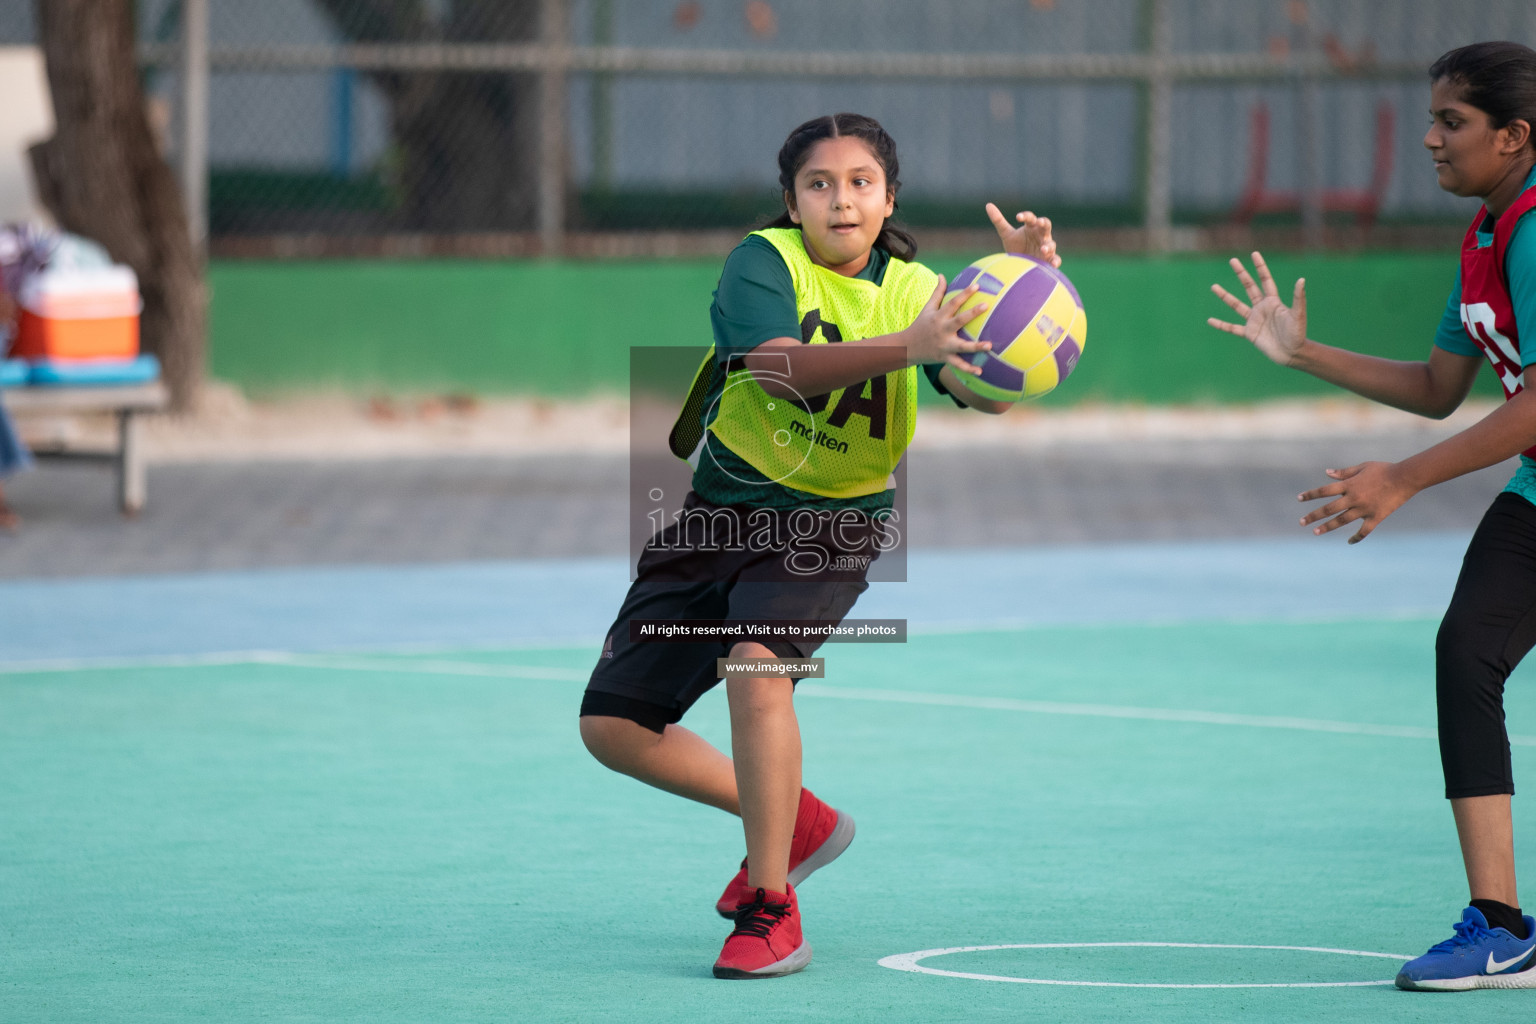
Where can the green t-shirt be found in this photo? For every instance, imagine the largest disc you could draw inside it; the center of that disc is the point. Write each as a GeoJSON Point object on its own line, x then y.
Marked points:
{"type": "Point", "coordinates": [753, 303]}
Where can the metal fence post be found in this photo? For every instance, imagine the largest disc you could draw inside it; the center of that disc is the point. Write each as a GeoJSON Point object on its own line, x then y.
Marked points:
{"type": "Point", "coordinates": [194, 119]}
{"type": "Point", "coordinates": [1309, 154]}
{"type": "Point", "coordinates": [555, 30]}
{"type": "Point", "coordinates": [602, 99]}
{"type": "Point", "coordinates": [1159, 184]}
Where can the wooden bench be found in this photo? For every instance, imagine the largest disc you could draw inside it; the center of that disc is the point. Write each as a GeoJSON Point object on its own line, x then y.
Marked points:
{"type": "Point", "coordinates": [125, 401]}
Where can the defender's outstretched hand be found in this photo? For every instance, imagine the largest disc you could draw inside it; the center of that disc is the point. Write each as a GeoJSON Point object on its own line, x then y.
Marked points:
{"type": "Point", "coordinates": [1032, 237]}
{"type": "Point", "coordinates": [1275, 329]}
{"type": "Point", "coordinates": [1368, 492]}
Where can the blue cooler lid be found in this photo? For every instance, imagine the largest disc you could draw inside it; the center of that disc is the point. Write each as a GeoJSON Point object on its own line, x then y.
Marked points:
{"type": "Point", "coordinates": [85, 372]}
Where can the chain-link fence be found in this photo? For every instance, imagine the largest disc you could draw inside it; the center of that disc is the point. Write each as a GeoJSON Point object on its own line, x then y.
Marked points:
{"type": "Point", "coordinates": [532, 119]}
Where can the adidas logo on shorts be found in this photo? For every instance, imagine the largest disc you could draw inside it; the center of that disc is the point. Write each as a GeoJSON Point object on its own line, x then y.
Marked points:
{"type": "Point", "coordinates": [608, 646]}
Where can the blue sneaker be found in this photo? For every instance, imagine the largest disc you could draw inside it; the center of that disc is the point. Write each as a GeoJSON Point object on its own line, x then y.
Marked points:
{"type": "Point", "coordinates": [1475, 957]}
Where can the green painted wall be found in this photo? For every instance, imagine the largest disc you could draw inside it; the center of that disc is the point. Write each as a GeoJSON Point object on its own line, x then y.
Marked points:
{"type": "Point", "coordinates": [565, 328]}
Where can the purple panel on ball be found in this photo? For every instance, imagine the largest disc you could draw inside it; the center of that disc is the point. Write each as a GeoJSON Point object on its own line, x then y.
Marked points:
{"type": "Point", "coordinates": [989, 284]}
{"type": "Point", "coordinates": [1017, 308]}
{"type": "Point", "coordinates": [963, 279]}
{"type": "Point", "coordinates": [1067, 355]}
{"type": "Point", "coordinates": [1002, 375]}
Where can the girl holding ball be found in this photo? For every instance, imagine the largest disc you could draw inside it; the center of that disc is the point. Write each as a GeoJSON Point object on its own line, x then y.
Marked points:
{"type": "Point", "coordinates": [821, 321]}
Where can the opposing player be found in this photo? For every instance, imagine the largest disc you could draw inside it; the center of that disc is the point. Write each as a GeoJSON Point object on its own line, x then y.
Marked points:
{"type": "Point", "coordinates": [1482, 109]}
{"type": "Point", "coordinates": [829, 269]}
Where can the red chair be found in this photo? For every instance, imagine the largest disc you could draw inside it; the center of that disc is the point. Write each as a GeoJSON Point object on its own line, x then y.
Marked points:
{"type": "Point", "coordinates": [1362, 202]}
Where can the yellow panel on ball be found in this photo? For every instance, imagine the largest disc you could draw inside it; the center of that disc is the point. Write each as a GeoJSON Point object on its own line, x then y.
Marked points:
{"type": "Point", "coordinates": [1005, 268]}
{"type": "Point", "coordinates": [1040, 378]}
{"type": "Point", "coordinates": [1057, 318]}
{"type": "Point", "coordinates": [1026, 350]}
{"type": "Point", "coordinates": [1061, 327]}
{"type": "Point", "coordinates": [974, 326]}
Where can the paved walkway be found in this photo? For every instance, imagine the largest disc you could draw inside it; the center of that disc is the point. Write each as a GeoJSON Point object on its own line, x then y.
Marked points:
{"type": "Point", "coordinates": [236, 515]}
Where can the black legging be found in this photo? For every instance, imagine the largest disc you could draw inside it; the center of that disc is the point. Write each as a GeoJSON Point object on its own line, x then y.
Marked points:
{"type": "Point", "coordinates": [1488, 628]}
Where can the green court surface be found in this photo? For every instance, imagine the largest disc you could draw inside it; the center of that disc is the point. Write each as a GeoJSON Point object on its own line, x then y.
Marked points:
{"type": "Point", "coordinates": [423, 838]}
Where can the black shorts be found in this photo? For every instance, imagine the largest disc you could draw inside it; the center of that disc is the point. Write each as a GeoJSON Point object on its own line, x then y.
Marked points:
{"type": "Point", "coordinates": [681, 575]}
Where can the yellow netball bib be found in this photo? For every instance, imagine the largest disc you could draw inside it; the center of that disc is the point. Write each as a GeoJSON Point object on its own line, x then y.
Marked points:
{"type": "Point", "coordinates": [840, 445]}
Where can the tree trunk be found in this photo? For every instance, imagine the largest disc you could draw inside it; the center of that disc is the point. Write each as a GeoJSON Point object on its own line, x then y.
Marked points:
{"type": "Point", "coordinates": [101, 176]}
{"type": "Point", "coordinates": [467, 142]}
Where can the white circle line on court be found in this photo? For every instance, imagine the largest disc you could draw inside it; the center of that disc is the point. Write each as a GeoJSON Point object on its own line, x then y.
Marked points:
{"type": "Point", "coordinates": [912, 962]}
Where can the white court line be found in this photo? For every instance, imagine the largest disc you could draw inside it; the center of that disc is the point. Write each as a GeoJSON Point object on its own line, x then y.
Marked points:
{"type": "Point", "coordinates": [1391, 615]}
{"type": "Point", "coordinates": [911, 962]}
{"type": "Point", "coordinates": [346, 663]}
{"type": "Point", "coordinates": [113, 663]}
{"type": "Point", "coordinates": [1040, 707]}
{"type": "Point", "coordinates": [593, 642]}
{"type": "Point", "coordinates": [43, 666]}
{"type": "Point", "coordinates": [433, 668]}
{"type": "Point", "coordinates": [339, 662]}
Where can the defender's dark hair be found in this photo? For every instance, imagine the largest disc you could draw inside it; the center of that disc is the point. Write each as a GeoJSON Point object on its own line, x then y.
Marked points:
{"type": "Point", "coordinates": [797, 149]}
{"type": "Point", "coordinates": [1498, 78]}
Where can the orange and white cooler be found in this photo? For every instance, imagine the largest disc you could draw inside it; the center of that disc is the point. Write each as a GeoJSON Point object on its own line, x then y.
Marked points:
{"type": "Point", "coordinates": [78, 313]}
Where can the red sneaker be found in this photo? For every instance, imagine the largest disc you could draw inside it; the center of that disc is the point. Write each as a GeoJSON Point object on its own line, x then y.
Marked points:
{"type": "Point", "coordinates": [766, 942]}
{"type": "Point", "coordinates": [822, 833]}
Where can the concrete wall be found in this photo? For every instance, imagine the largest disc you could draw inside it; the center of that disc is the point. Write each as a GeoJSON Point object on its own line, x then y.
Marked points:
{"type": "Point", "coordinates": [26, 117]}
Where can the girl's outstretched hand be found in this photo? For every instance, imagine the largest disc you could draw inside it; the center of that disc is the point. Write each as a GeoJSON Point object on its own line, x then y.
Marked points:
{"type": "Point", "coordinates": [1032, 236]}
{"type": "Point", "coordinates": [934, 336]}
{"type": "Point", "coordinates": [1368, 492]}
{"type": "Point", "coordinates": [1275, 329]}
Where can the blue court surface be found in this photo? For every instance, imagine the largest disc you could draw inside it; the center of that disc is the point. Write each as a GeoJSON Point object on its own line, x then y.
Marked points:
{"type": "Point", "coordinates": [1162, 782]}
